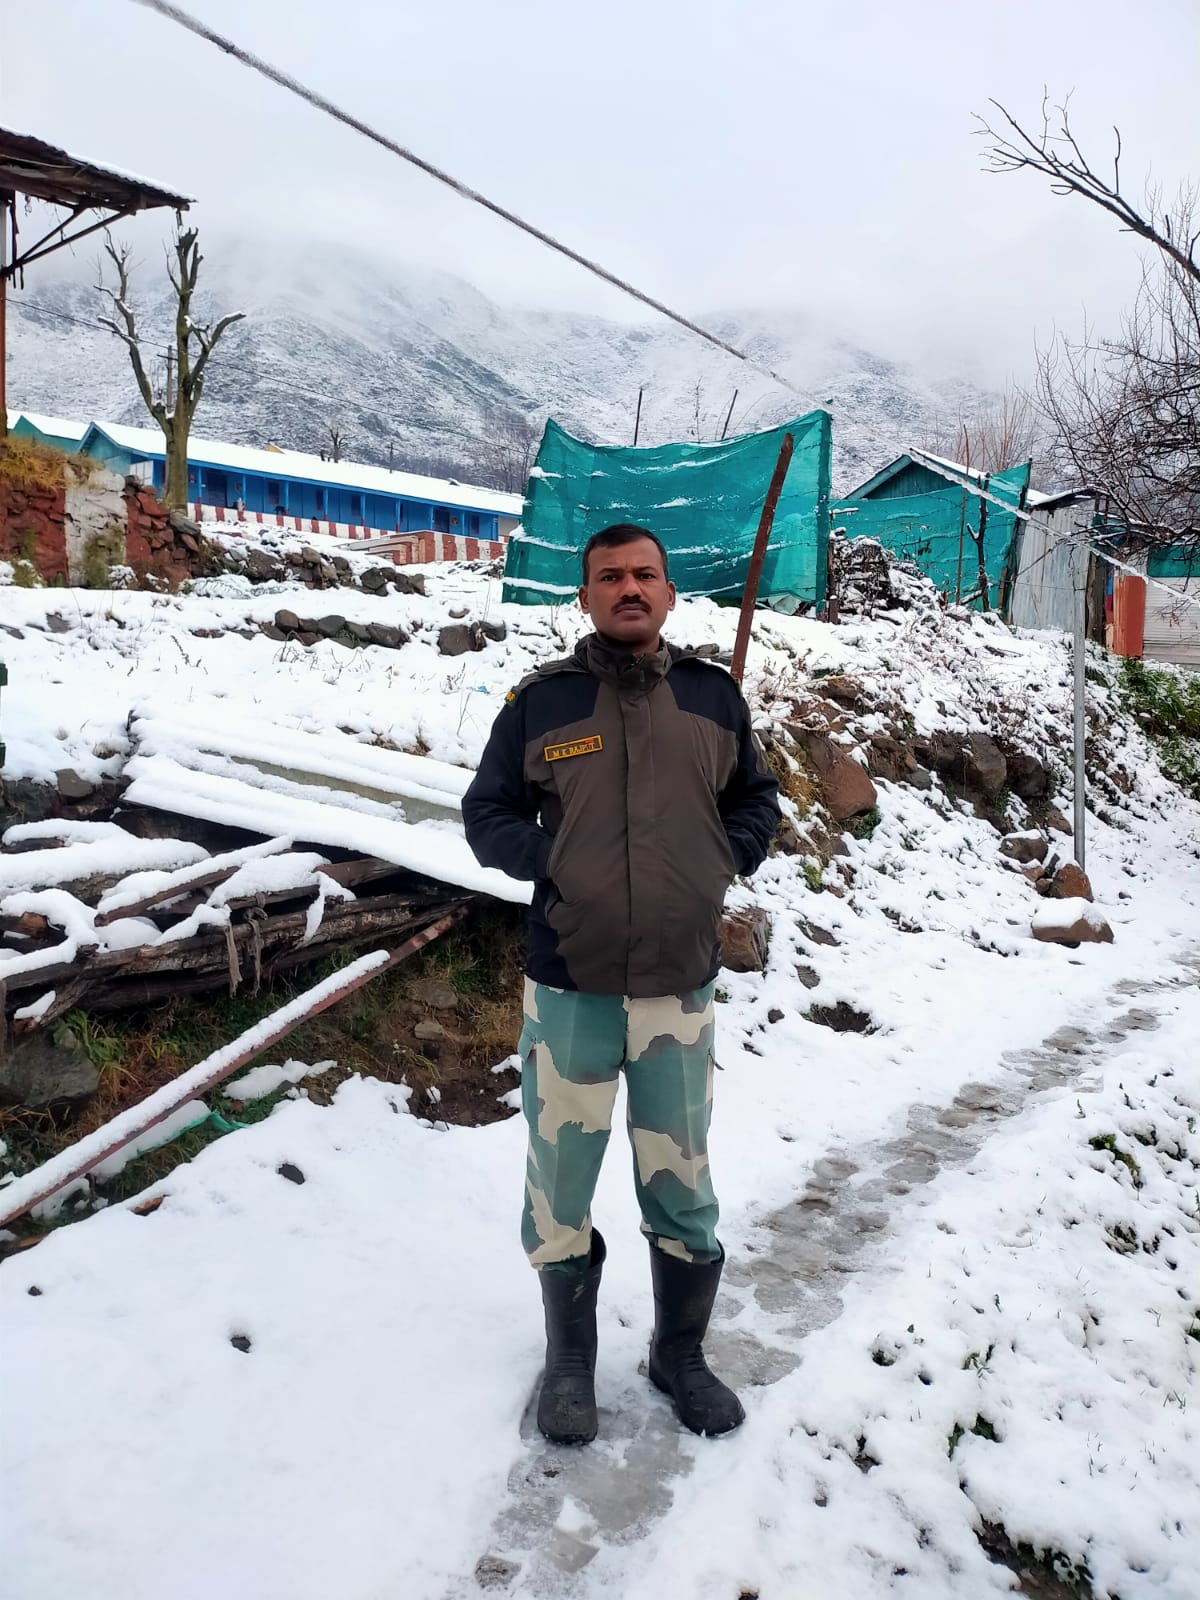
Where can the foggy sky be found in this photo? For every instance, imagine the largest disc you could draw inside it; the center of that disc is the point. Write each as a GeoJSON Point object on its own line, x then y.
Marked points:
{"type": "Point", "coordinates": [767, 153]}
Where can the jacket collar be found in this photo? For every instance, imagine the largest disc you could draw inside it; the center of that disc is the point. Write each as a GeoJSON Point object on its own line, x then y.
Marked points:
{"type": "Point", "coordinates": [620, 667]}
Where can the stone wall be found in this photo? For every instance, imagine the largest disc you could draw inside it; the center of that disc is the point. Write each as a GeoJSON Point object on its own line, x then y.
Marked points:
{"type": "Point", "coordinates": [33, 527]}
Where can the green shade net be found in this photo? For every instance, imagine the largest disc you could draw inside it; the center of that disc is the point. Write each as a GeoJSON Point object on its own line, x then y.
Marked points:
{"type": "Point", "coordinates": [930, 530]}
{"type": "Point", "coordinates": [1183, 561]}
{"type": "Point", "coordinates": [702, 500]}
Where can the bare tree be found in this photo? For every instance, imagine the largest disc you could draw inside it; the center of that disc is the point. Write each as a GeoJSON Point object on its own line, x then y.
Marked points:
{"type": "Point", "coordinates": [192, 347]}
{"type": "Point", "coordinates": [511, 446]}
{"type": "Point", "coordinates": [997, 436]}
{"type": "Point", "coordinates": [1124, 411]}
{"type": "Point", "coordinates": [337, 439]}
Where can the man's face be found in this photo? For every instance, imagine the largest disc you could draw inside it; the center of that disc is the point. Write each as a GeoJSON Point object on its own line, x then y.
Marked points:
{"type": "Point", "coordinates": [627, 595]}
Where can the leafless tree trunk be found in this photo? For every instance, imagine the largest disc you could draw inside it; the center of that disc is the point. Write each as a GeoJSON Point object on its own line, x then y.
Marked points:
{"type": "Point", "coordinates": [336, 440]}
{"type": "Point", "coordinates": [193, 344]}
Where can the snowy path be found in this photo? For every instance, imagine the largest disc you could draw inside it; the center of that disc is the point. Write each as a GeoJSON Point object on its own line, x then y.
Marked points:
{"type": "Point", "coordinates": [565, 1505]}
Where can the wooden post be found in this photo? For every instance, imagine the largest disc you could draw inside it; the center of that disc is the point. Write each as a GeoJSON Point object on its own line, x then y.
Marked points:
{"type": "Point", "coordinates": [762, 538]}
{"type": "Point", "coordinates": [5, 201]}
{"type": "Point", "coordinates": [637, 421]}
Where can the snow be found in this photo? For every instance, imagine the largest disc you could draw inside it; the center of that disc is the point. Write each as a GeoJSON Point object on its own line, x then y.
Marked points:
{"type": "Point", "coordinates": [980, 1215]}
{"type": "Point", "coordinates": [1065, 913]}
{"type": "Point", "coordinates": [36, 1008]}
{"type": "Point", "coordinates": [262, 1081]}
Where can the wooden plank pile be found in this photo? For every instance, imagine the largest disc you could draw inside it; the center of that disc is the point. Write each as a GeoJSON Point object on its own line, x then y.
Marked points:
{"type": "Point", "coordinates": [92, 916]}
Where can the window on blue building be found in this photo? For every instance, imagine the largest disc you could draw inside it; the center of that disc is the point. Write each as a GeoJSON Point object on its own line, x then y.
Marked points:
{"type": "Point", "coordinates": [473, 524]}
{"type": "Point", "coordinates": [441, 519]}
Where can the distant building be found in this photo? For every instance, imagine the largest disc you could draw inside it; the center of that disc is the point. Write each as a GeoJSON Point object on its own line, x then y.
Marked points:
{"type": "Point", "coordinates": [57, 431]}
{"type": "Point", "coordinates": [288, 489]}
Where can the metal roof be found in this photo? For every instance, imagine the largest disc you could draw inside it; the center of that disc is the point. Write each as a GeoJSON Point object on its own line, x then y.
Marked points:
{"type": "Point", "coordinates": [32, 167]}
{"type": "Point", "coordinates": [294, 464]}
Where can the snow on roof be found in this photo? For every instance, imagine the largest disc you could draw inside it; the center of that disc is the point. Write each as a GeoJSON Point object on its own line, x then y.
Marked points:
{"type": "Point", "coordinates": [58, 427]}
{"type": "Point", "coordinates": [337, 474]}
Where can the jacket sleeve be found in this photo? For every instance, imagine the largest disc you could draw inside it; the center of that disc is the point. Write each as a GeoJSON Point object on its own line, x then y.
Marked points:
{"type": "Point", "coordinates": [500, 809]}
{"type": "Point", "coordinates": [749, 803]}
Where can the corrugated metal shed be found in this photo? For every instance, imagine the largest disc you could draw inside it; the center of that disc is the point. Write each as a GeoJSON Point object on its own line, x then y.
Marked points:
{"type": "Point", "coordinates": [1048, 562]}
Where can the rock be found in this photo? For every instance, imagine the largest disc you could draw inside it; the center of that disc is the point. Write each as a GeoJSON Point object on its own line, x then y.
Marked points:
{"type": "Point", "coordinates": [744, 940]}
{"type": "Point", "coordinates": [342, 565]}
{"type": "Point", "coordinates": [775, 1014]}
{"type": "Point", "coordinates": [182, 524]}
{"type": "Point", "coordinates": [707, 651]}
{"type": "Point", "coordinates": [41, 1073]}
{"type": "Point", "coordinates": [1071, 922]}
{"type": "Point", "coordinates": [306, 637]}
{"type": "Point", "coordinates": [846, 691]}
{"type": "Point", "coordinates": [1071, 882]}
{"type": "Point", "coordinates": [382, 633]}
{"type": "Point", "coordinates": [287, 621]}
{"type": "Point", "coordinates": [311, 557]}
{"type": "Point", "coordinates": [984, 765]}
{"type": "Point", "coordinates": [1027, 777]}
{"type": "Point", "coordinates": [260, 567]}
{"type": "Point", "coordinates": [57, 623]}
{"type": "Point", "coordinates": [919, 777]}
{"type": "Point", "coordinates": [435, 993]}
{"type": "Point", "coordinates": [458, 612]}
{"type": "Point", "coordinates": [270, 631]}
{"type": "Point", "coordinates": [816, 934]}
{"type": "Point", "coordinates": [1024, 847]}
{"type": "Point", "coordinates": [329, 627]}
{"type": "Point", "coordinates": [846, 787]}
{"type": "Point", "coordinates": [427, 1029]}
{"type": "Point", "coordinates": [359, 631]}
{"type": "Point", "coordinates": [497, 632]}
{"type": "Point", "coordinates": [71, 786]}
{"type": "Point", "coordinates": [807, 976]}
{"type": "Point", "coordinates": [408, 582]}
{"type": "Point", "coordinates": [1035, 872]}
{"type": "Point", "coordinates": [1053, 818]}
{"type": "Point", "coordinates": [888, 758]}
{"type": "Point", "coordinates": [376, 578]}
{"type": "Point", "coordinates": [456, 639]}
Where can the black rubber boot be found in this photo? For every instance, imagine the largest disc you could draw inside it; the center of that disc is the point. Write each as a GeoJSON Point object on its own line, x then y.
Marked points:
{"type": "Point", "coordinates": [684, 1292]}
{"type": "Point", "coordinates": [567, 1405]}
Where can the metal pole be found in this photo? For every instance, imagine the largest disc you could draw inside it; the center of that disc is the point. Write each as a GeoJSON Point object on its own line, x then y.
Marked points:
{"type": "Point", "coordinates": [5, 201]}
{"type": "Point", "coordinates": [79, 1159]}
{"type": "Point", "coordinates": [729, 414]}
{"type": "Point", "coordinates": [637, 421]}
{"type": "Point", "coordinates": [1079, 651]}
{"type": "Point", "coordinates": [750, 595]}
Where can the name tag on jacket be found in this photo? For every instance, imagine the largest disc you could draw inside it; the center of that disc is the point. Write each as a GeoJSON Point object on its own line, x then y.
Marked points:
{"type": "Point", "coordinates": [576, 747]}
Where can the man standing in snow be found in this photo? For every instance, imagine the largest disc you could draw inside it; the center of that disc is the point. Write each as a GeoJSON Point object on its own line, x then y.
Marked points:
{"type": "Point", "coordinates": [626, 783]}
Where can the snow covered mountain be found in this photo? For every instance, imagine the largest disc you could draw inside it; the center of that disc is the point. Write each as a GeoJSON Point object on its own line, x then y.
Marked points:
{"type": "Point", "coordinates": [423, 365]}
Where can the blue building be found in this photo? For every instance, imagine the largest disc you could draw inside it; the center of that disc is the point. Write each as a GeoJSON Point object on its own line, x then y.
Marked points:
{"type": "Point", "coordinates": [59, 432]}
{"type": "Point", "coordinates": [285, 487]}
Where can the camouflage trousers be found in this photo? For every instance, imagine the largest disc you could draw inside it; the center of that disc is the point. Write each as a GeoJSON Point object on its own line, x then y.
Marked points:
{"type": "Point", "coordinates": [574, 1048]}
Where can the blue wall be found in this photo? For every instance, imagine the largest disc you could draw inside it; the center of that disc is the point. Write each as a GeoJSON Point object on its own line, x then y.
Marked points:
{"type": "Point", "coordinates": [217, 486]}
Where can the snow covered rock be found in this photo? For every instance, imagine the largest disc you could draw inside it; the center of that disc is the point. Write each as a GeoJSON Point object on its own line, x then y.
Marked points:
{"type": "Point", "coordinates": [1071, 882]}
{"type": "Point", "coordinates": [1025, 848]}
{"type": "Point", "coordinates": [1071, 922]}
{"type": "Point", "coordinates": [845, 786]}
{"type": "Point", "coordinates": [42, 1073]}
{"type": "Point", "coordinates": [744, 940]}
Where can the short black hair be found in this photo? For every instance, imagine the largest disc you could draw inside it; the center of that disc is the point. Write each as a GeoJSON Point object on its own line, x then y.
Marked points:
{"type": "Point", "coordinates": [622, 533]}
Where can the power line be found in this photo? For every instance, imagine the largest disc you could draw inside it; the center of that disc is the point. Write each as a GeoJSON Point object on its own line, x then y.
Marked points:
{"type": "Point", "coordinates": [293, 86]}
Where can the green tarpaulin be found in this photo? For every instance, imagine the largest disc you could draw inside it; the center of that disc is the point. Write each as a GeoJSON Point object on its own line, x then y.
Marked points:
{"type": "Point", "coordinates": [938, 532]}
{"type": "Point", "coordinates": [702, 500]}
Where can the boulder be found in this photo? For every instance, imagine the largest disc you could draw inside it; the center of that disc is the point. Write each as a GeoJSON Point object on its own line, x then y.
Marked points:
{"type": "Point", "coordinates": [360, 632]}
{"type": "Point", "coordinates": [846, 691]}
{"type": "Point", "coordinates": [1024, 847]}
{"type": "Point", "coordinates": [1071, 882]}
{"type": "Point", "coordinates": [329, 627]}
{"type": "Point", "coordinates": [382, 633]}
{"type": "Point", "coordinates": [846, 787]}
{"type": "Point", "coordinates": [984, 764]}
{"type": "Point", "coordinates": [456, 639]}
{"type": "Point", "coordinates": [71, 786]}
{"type": "Point", "coordinates": [287, 621]}
{"type": "Point", "coordinates": [497, 632]}
{"type": "Point", "coordinates": [1027, 777]}
{"type": "Point", "coordinates": [920, 778]}
{"type": "Point", "coordinates": [260, 567]}
{"type": "Point", "coordinates": [270, 631]}
{"type": "Point", "coordinates": [1071, 923]}
{"type": "Point", "coordinates": [43, 1072]}
{"type": "Point", "coordinates": [407, 582]}
{"type": "Point", "coordinates": [744, 940]}
{"type": "Point", "coordinates": [375, 578]}
{"type": "Point", "coordinates": [56, 623]}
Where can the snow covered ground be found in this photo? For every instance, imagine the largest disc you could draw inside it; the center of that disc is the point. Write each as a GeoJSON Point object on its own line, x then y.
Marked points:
{"type": "Point", "coordinates": [964, 1249]}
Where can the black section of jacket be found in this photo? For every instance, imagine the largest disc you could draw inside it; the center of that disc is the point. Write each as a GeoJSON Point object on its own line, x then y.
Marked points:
{"type": "Point", "coordinates": [631, 790]}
